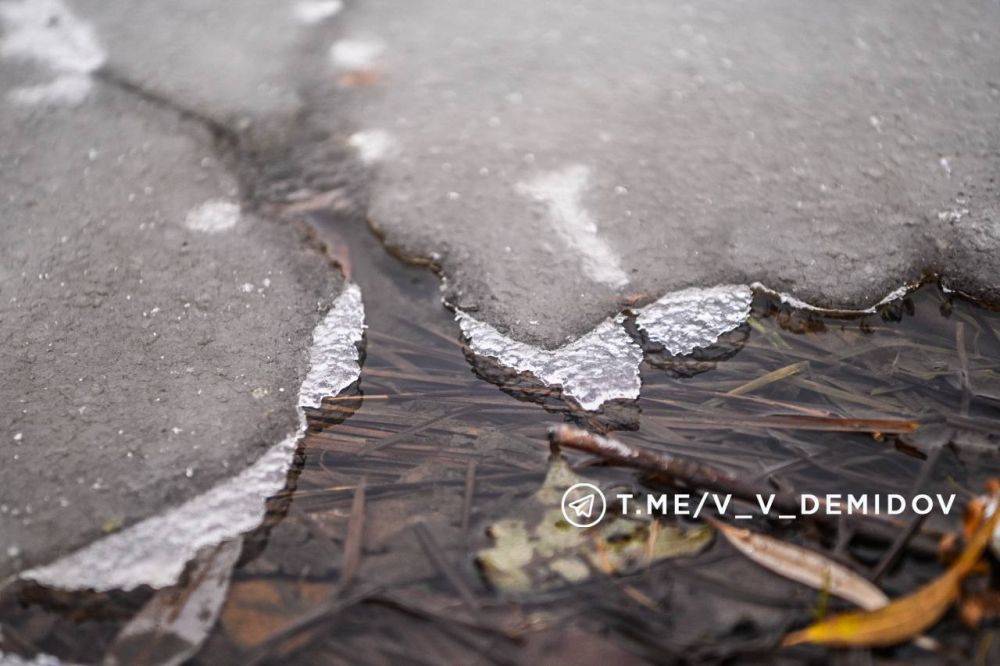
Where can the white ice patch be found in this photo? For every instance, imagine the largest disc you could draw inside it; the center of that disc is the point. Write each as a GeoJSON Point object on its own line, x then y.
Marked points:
{"type": "Point", "coordinates": [65, 90]}
{"type": "Point", "coordinates": [685, 320]}
{"type": "Point", "coordinates": [799, 304]}
{"type": "Point", "coordinates": [334, 357]}
{"type": "Point", "coordinates": [372, 145]}
{"type": "Point", "coordinates": [155, 551]}
{"type": "Point", "coordinates": [47, 32]}
{"type": "Point", "coordinates": [562, 191]}
{"type": "Point", "coordinates": [213, 216]}
{"type": "Point", "coordinates": [353, 54]}
{"type": "Point", "coordinates": [37, 660]}
{"type": "Point", "coordinates": [314, 11]}
{"type": "Point", "coordinates": [600, 366]}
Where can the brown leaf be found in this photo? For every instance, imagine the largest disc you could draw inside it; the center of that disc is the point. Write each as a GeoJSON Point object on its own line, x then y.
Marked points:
{"type": "Point", "coordinates": [258, 609]}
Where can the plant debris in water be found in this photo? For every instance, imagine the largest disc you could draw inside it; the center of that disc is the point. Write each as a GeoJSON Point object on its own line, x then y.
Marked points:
{"type": "Point", "coordinates": [539, 549]}
{"type": "Point", "coordinates": [905, 400]}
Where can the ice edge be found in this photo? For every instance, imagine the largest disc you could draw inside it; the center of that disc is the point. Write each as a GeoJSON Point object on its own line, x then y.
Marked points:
{"type": "Point", "coordinates": [155, 551]}
{"type": "Point", "coordinates": [603, 364]}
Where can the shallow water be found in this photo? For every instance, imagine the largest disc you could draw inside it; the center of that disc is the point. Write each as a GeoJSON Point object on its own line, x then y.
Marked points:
{"type": "Point", "coordinates": [450, 446]}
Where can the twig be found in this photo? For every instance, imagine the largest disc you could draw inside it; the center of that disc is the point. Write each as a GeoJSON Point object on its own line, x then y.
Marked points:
{"type": "Point", "coordinates": [691, 474]}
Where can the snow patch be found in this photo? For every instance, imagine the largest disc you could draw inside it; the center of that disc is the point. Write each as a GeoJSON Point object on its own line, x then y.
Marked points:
{"type": "Point", "coordinates": [314, 11]}
{"type": "Point", "coordinates": [562, 191]}
{"type": "Point", "coordinates": [372, 145]}
{"type": "Point", "coordinates": [213, 216]}
{"type": "Point", "coordinates": [38, 660]}
{"type": "Point", "coordinates": [600, 366]}
{"type": "Point", "coordinates": [685, 320]}
{"type": "Point", "coordinates": [353, 54]}
{"type": "Point", "coordinates": [155, 551]}
{"type": "Point", "coordinates": [47, 32]}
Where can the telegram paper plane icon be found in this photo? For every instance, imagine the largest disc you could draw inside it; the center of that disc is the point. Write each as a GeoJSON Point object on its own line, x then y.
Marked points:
{"type": "Point", "coordinates": [583, 507]}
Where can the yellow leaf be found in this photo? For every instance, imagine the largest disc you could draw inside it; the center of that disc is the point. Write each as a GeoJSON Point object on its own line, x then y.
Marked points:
{"type": "Point", "coordinates": [905, 617]}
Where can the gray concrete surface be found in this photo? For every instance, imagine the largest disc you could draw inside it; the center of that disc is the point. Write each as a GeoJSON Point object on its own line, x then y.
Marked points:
{"type": "Point", "coordinates": [154, 337]}
{"type": "Point", "coordinates": [557, 157]}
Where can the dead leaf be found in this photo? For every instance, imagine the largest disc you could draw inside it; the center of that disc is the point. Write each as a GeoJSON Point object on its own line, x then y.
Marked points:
{"type": "Point", "coordinates": [905, 617]}
{"type": "Point", "coordinates": [804, 566]}
{"type": "Point", "coordinates": [540, 550]}
{"type": "Point", "coordinates": [259, 608]}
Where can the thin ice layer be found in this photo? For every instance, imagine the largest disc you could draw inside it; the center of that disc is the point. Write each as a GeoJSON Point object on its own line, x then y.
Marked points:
{"type": "Point", "coordinates": [154, 552]}
{"type": "Point", "coordinates": [600, 366]}
{"type": "Point", "coordinates": [799, 304]}
{"type": "Point", "coordinates": [685, 320]}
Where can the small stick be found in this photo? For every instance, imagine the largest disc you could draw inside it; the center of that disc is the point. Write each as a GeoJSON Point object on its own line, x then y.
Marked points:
{"type": "Point", "coordinates": [699, 475]}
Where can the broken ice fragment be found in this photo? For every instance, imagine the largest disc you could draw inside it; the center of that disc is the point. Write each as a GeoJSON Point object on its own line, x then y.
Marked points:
{"type": "Point", "coordinates": [685, 320]}
{"type": "Point", "coordinates": [600, 366]}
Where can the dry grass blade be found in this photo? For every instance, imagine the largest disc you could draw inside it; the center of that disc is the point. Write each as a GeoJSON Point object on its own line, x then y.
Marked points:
{"type": "Point", "coordinates": [906, 617]}
{"type": "Point", "coordinates": [354, 540]}
{"type": "Point", "coordinates": [770, 378]}
{"type": "Point", "coordinates": [804, 566]}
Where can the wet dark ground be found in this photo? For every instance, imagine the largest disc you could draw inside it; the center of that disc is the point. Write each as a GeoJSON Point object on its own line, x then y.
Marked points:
{"type": "Point", "coordinates": [441, 454]}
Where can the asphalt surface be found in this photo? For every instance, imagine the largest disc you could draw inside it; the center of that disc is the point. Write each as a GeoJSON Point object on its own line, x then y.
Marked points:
{"type": "Point", "coordinates": [154, 335]}
{"type": "Point", "coordinates": [558, 157]}
{"type": "Point", "coordinates": [555, 159]}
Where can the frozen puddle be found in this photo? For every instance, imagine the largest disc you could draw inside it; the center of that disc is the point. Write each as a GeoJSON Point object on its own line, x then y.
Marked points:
{"type": "Point", "coordinates": [600, 366]}
{"type": "Point", "coordinates": [155, 551]}
{"type": "Point", "coordinates": [604, 364]}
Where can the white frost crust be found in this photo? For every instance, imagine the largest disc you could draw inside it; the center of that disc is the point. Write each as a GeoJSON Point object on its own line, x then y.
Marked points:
{"type": "Point", "coordinates": [372, 145]}
{"type": "Point", "coordinates": [310, 12]}
{"type": "Point", "coordinates": [600, 366]}
{"type": "Point", "coordinates": [37, 660]}
{"type": "Point", "coordinates": [355, 54]}
{"type": "Point", "coordinates": [334, 361]}
{"type": "Point", "coordinates": [788, 299]}
{"type": "Point", "coordinates": [47, 32]}
{"type": "Point", "coordinates": [154, 552]}
{"type": "Point", "coordinates": [213, 216]}
{"type": "Point", "coordinates": [562, 191]}
{"type": "Point", "coordinates": [685, 320]}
